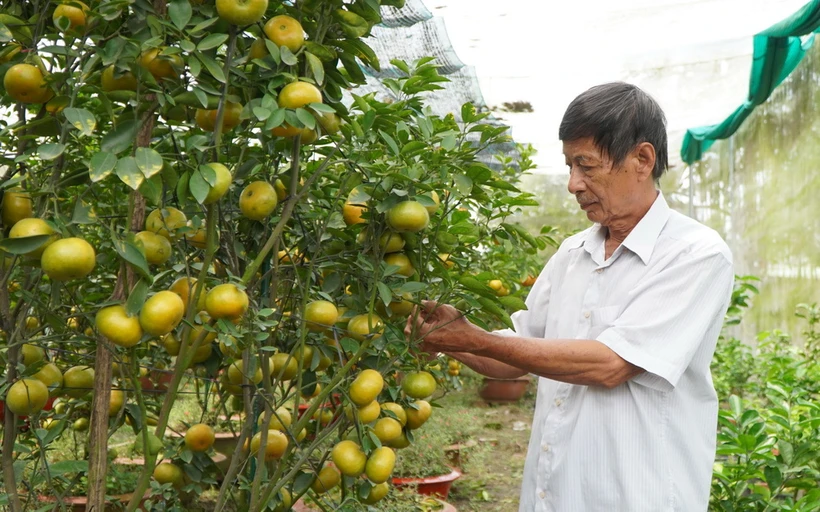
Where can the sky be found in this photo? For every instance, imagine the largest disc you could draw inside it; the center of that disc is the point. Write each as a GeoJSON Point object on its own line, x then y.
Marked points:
{"type": "Point", "coordinates": [693, 56]}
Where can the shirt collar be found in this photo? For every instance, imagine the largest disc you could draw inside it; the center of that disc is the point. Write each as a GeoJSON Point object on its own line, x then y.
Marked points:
{"type": "Point", "coordinates": [641, 240]}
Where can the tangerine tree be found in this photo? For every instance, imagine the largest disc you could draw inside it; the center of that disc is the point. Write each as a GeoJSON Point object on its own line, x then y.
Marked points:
{"type": "Point", "coordinates": [195, 195]}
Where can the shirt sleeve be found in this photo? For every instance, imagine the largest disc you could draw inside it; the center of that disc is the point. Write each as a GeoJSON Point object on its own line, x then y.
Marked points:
{"type": "Point", "coordinates": [669, 315]}
{"type": "Point", "coordinates": [532, 322]}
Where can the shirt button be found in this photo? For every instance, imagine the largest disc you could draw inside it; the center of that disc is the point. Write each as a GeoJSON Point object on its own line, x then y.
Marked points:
{"type": "Point", "coordinates": [542, 495]}
{"type": "Point", "coordinates": [545, 447]}
{"type": "Point", "coordinates": [586, 314]}
{"type": "Point", "coordinates": [558, 402]}
{"type": "Point", "coordinates": [599, 270]}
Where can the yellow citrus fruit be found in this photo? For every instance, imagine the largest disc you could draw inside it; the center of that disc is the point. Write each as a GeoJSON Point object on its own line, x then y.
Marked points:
{"type": "Point", "coordinates": [206, 118]}
{"type": "Point", "coordinates": [286, 364]}
{"type": "Point", "coordinates": [25, 84]}
{"type": "Point", "coordinates": [27, 396]}
{"type": "Point", "coordinates": [431, 210]}
{"type": "Point", "coordinates": [330, 122]}
{"type": "Point", "coordinates": [226, 301]}
{"type": "Point", "coordinates": [328, 478]}
{"type": "Point", "coordinates": [236, 373]}
{"type": "Point", "coordinates": [387, 429]}
{"type": "Point", "coordinates": [380, 464]}
{"type": "Point", "coordinates": [74, 11]}
{"type": "Point", "coordinates": [397, 410]}
{"type": "Point", "coordinates": [168, 473]}
{"type": "Point", "coordinates": [349, 458]}
{"type": "Point", "coordinates": [277, 444]}
{"type": "Point", "coordinates": [51, 376]}
{"type": "Point", "coordinates": [366, 387]}
{"type": "Point", "coordinates": [419, 384]}
{"type": "Point", "coordinates": [16, 205]}
{"type": "Point", "coordinates": [199, 437]}
{"type": "Point", "coordinates": [445, 259]}
{"type": "Point", "coordinates": [67, 259]}
{"type": "Point", "coordinates": [361, 326]}
{"type": "Point", "coordinates": [258, 200]}
{"type": "Point", "coordinates": [299, 94]}
{"type": "Point", "coordinates": [402, 307]}
{"type": "Point", "coordinates": [161, 313]}
{"type": "Point", "coordinates": [377, 492]}
{"type": "Point", "coordinates": [184, 287]}
{"type": "Point", "coordinates": [285, 31]}
{"type": "Point", "coordinates": [417, 417]}
{"type": "Point", "coordinates": [220, 187]}
{"type": "Point", "coordinates": [391, 242]}
{"type": "Point", "coordinates": [111, 81]}
{"type": "Point", "coordinates": [258, 50]}
{"type": "Point", "coordinates": [399, 259]}
{"type": "Point", "coordinates": [81, 425]}
{"type": "Point", "coordinates": [162, 67]}
{"type": "Point", "coordinates": [171, 344]}
{"type": "Point", "coordinates": [154, 443]}
{"type": "Point", "coordinates": [408, 216]}
{"type": "Point", "coordinates": [285, 501]}
{"type": "Point", "coordinates": [287, 131]}
{"type": "Point", "coordinates": [33, 226]}
{"type": "Point", "coordinates": [165, 222]}
{"type": "Point", "coordinates": [280, 419]}
{"type": "Point", "coordinates": [241, 12]}
{"type": "Point", "coordinates": [320, 314]}
{"type": "Point", "coordinates": [115, 402]}
{"type": "Point", "coordinates": [115, 324]}
{"type": "Point", "coordinates": [32, 354]}
{"type": "Point", "coordinates": [400, 442]}
{"type": "Point", "coordinates": [157, 249]}
{"type": "Point", "coordinates": [78, 381]}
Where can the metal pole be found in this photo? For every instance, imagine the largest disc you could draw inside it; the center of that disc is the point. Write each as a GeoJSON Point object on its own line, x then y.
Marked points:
{"type": "Point", "coordinates": [691, 192]}
{"type": "Point", "coordinates": [731, 194]}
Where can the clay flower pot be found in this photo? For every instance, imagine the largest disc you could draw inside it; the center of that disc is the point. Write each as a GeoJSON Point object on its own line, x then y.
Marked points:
{"type": "Point", "coordinates": [79, 503]}
{"type": "Point", "coordinates": [503, 390]}
{"type": "Point", "coordinates": [431, 485]}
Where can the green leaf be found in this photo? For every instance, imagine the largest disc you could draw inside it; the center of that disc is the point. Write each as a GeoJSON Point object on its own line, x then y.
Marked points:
{"type": "Point", "coordinates": [212, 41]}
{"type": "Point", "coordinates": [385, 293]}
{"type": "Point", "coordinates": [490, 306]}
{"type": "Point", "coordinates": [390, 142]}
{"type": "Point", "coordinates": [129, 173]}
{"type": "Point", "coordinates": [148, 161]}
{"type": "Point", "coordinates": [512, 303]}
{"type": "Point", "coordinates": [287, 56]}
{"type": "Point", "coordinates": [23, 245]}
{"type": "Point", "coordinates": [83, 213]}
{"type": "Point", "coordinates": [463, 184]}
{"type": "Point", "coordinates": [101, 165]}
{"type": "Point", "coordinates": [132, 255]}
{"type": "Point", "coordinates": [316, 68]}
{"type": "Point", "coordinates": [151, 189]}
{"type": "Point", "coordinates": [180, 13]}
{"type": "Point", "coordinates": [198, 186]}
{"type": "Point", "coordinates": [412, 287]}
{"type": "Point", "coordinates": [413, 147]}
{"type": "Point", "coordinates": [261, 113]}
{"type": "Point", "coordinates": [306, 118]}
{"type": "Point", "coordinates": [50, 151]}
{"type": "Point", "coordinates": [65, 467]}
{"type": "Point", "coordinates": [5, 33]}
{"type": "Point", "coordinates": [773, 477]}
{"type": "Point", "coordinates": [136, 298]}
{"type": "Point", "coordinates": [81, 119]}
{"type": "Point", "coordinates": [449, 142]}
{"type": "Point", "coordinates": [212, 66]}
{"type": "Point", "coordinates": [121, 138]}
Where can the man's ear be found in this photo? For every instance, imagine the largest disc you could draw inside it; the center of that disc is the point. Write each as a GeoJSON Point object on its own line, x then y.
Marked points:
{"type": "Point", "coordinates": [644, 157]}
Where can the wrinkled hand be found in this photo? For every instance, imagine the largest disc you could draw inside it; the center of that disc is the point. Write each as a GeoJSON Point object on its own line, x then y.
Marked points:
{"type": "Point", "coordinates": [441, 327]}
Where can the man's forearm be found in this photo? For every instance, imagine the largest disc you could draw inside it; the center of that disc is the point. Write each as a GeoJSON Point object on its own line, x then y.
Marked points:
{"type": "Point", "coordinates": [488, 366]}
{"type": "Point", "coordinates": [585, 362]}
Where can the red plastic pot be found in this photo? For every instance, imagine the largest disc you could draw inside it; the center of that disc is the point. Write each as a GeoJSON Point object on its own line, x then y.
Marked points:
{"type": "Point", "coordinates": [504, 390]}
{"type": "Point", "coordinates": [430, 486]}
{"type": "Point", "coordinates": [79, 503]}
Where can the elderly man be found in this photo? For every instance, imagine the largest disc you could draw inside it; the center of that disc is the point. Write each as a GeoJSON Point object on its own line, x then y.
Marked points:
{"type": "Point", "coordinates": [621, 327]}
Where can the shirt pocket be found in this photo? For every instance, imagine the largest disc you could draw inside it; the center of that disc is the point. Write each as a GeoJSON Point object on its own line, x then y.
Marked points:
{"type": "Point", "coordinates": [601, 319]}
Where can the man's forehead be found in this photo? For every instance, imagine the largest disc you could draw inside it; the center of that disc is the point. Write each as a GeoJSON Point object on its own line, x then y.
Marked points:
{"type": "Point", "coordinates": [582, 149]}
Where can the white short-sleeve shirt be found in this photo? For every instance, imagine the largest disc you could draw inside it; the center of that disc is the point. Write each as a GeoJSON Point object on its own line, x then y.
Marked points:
{"type": "Point", "coordinates": [659, 301]}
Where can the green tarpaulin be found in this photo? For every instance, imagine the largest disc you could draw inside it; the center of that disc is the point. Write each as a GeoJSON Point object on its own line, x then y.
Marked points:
{"type": "Point", "coordinates": [777, 51]}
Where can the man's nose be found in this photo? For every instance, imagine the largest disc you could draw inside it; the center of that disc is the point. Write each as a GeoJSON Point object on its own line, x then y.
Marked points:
{"type": "Point", "coordinates": [576, 182]}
